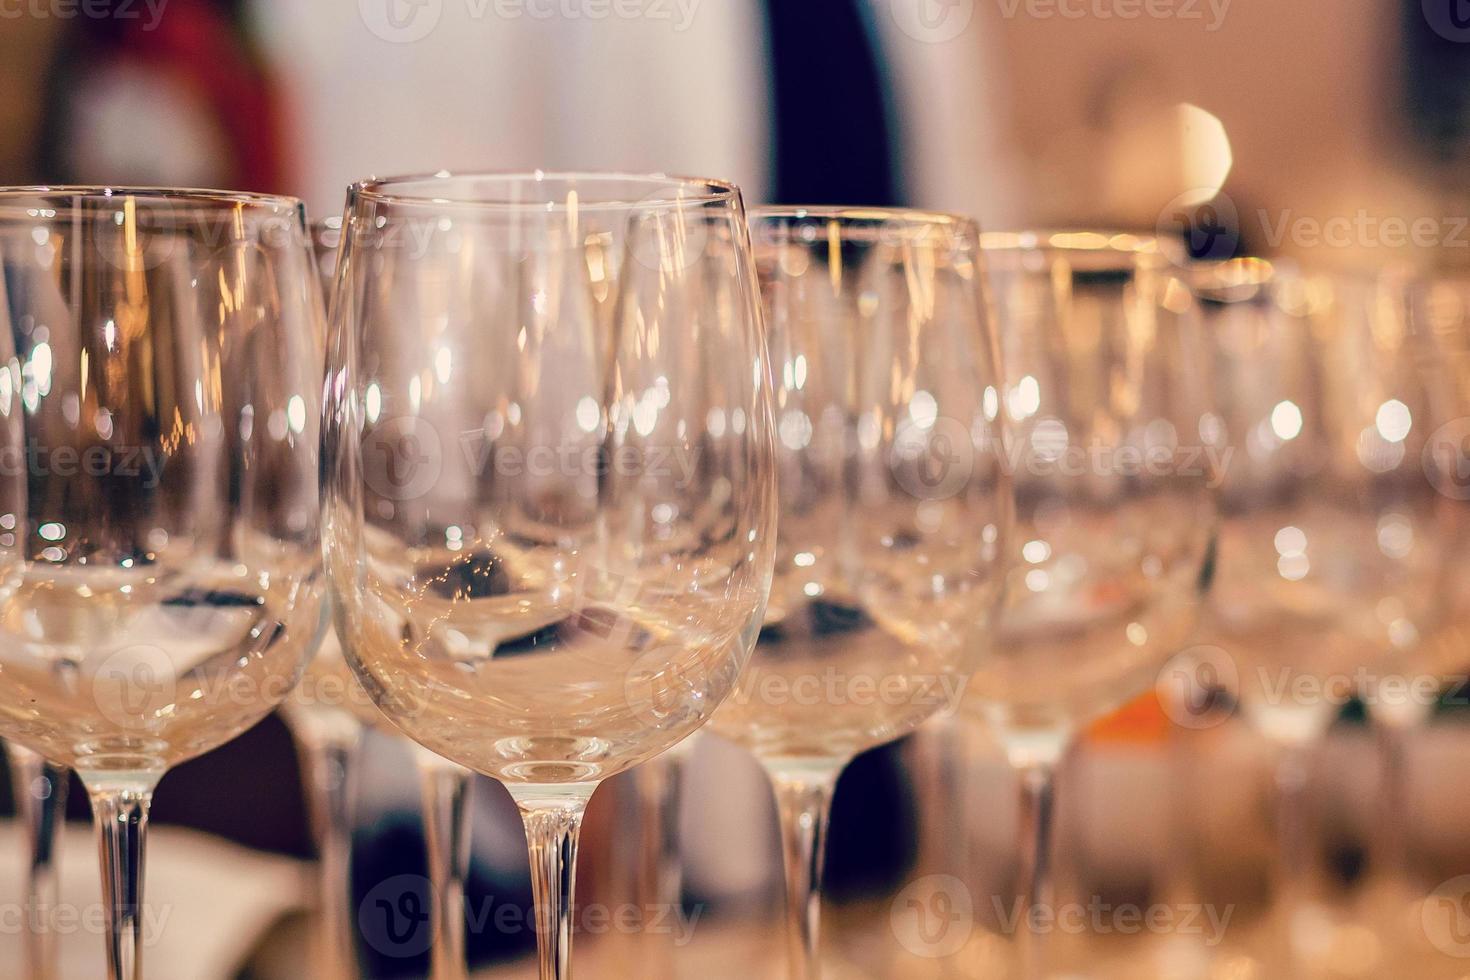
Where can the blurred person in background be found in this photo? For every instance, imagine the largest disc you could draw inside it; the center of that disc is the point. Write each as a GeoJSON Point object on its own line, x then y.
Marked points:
{"type": "Point", "coordinates": [175, 94]}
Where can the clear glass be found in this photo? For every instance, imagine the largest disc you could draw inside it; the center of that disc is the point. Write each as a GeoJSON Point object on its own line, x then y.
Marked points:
{"type": "Point", "coordinates": [328, 715]}
{"type": "Point", "coordinates": [159, 511]}
{"type": "Point", "coordinates": [39, 790]}
{"type": "Point", "coordinates": [894, 505]}
{"type": "Point", "coordinates": [1335, 542]}
{"type": "Point", "coordinates": [1114, 514]}
{"type": "Point", "coordinates": [551, 485]}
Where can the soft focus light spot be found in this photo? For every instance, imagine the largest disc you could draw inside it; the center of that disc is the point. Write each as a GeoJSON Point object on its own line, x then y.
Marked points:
{"type": "Point", "coordinates": [1394, 420]}
{"type": "Point", "coordinates": [1286, 421]}
{"type": "Point", "coordinates": [373, 402]}
{"type": "Point", "coordinates": [714, 421]}
{"type": "Point", "coordinates": [1037, 580]}
{"type": "Point", "coordinates": [645, 415]}
{"type": "Point", "coordinates": [589, 414]}
{"type": "Point", "coordinates": [1049, 440]}
{"type": "Point", "coordinates": [296, 414]}
{"type": "Point", "coordinates": [1137, 634]}
{"type": "Point", "coordinates": [1206, 156]}
{"type": "Point", "coordinates": [990, 403]}
{"type": "Point", "coordinates": [1036, 552]}
{"type": "Point", "coordinates": [1291, 541]}
{"type": "Point", "coordinates": [1395, 535]}
{"type": "Point", "coordinates": [923, 409]}
{"type": "Point", "coordinates": [1024, 400]}
{"type": "Point", "coordinates": [795, 429]}
{"type": "Point", "coordinates": [52, 531]}
{"type": "Point", "coordinates": [443, 364]}
{"type": "Point", "coordinates": [804, 559]}
{"type": "Point", "coordinates": [1293, 568]}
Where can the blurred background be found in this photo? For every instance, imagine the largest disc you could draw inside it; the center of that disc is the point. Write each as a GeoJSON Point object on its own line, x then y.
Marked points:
{"type": "Point", "coordinates": [1331, 134]}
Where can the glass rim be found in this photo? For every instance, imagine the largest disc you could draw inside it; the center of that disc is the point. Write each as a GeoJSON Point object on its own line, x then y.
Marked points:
{"type": "Point", "coordinates": [174, 198]}
{"type": "Point", "coordinates": [1090, 240]}
{"type": "Point", "coordinates": [381, 190]}
{"type": "Point", "coordinates": [842, 212]}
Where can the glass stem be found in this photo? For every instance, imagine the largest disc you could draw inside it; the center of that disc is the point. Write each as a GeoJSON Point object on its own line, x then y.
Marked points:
{"type": "Point", "coordinates": [445, 794]}
{"type": "Point", "coordinates": [40, 802]}
{"type": "Point", "coordinates": [804, 804]}
{"type": "Point", "coordinates": [553, 821]}
{"type": "Point", "coordinates": [331, 762]}
{"type": "Point", "coordinates": [1293, 843]}
{"type": "Point", "coordinates": [1391, 857]}
{"type": "Point", "coordinates": [120, 812]}
{"type": "Point", "coordinates": [938, 774]}
{"type": "Point", "coordinates": [659, 884]}
{"type": "Point", "coordinates": [1037, 827]}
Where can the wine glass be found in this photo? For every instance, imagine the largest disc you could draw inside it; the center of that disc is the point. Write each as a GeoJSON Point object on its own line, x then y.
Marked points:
{"type": "Point", "coordinates": [550, 519]}
{"type": "Point", "coordinates": [161, 547]}
{"type": "Point", "coordinates": [894, 506]}
{"type": "Point", "coordinates": [1114, 516]}
{"type": "Point", "coordinates": [1334, 540]}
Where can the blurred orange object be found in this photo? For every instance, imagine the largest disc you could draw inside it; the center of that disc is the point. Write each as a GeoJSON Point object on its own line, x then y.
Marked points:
{"type": "Point", "coordinates": [1140, 721]}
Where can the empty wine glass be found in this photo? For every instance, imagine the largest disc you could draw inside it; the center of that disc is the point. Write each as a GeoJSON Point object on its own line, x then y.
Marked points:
{"type": "Point", "coordinates": [1114, 516]}
{"type": "Point", "coordinates": [1334, 540]}
{"type": "Point", "coordinates": [160, 531]}
{"type": "Point", "coordinates": [893, 505]}
{"type": "Point", "coordinates": [549, 518]}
